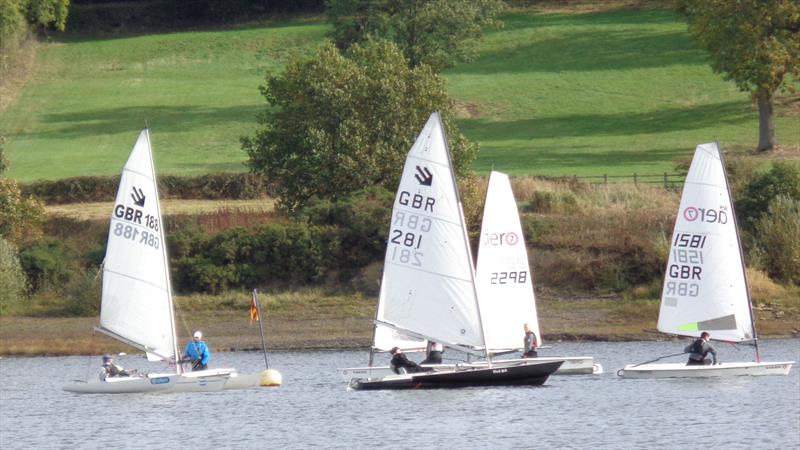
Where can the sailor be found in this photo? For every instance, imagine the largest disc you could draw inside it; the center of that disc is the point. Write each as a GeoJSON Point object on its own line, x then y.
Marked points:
{"type": "Point", "coordinates": [401, 364]}
{"type": "Point", "coordinates": [698, 350]}
{"type": "Point", "coordinates": [110, 370]}
{"type": "Point", "coordinates": [529, 350]}
{"type": "Point", "coordinates": [197, 352]}
{"type": "Point", "coordinates": [433, 353]}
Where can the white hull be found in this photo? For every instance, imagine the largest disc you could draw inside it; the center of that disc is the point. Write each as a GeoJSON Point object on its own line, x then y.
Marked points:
{"type": "Point", "coordinates": [679, 370]}
{"type": "Point", "coordinates": [201, 381]}
{"type": "Point", "coordinates": [573, 365]}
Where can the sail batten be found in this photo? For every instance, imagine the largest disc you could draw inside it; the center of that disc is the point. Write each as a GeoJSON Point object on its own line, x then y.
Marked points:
{"type": "Point", "coordinates": [704, 285]}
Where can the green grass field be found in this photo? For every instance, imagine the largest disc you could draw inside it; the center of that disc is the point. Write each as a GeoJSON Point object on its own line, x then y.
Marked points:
{"type": "Point", "coordinates": [611, 92]}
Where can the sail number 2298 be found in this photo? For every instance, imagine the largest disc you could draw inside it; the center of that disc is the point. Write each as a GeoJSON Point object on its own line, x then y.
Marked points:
{"type": "Point", "coordinates": [509, 277]}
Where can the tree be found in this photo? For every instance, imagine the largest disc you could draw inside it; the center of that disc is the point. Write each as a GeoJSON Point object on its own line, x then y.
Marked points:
{"type": "Point", "coordinates": [21, 218]}
{"type": "Point", "coordinates": [341, 124]}
{"type": "Point", "coordinates": [754, 43]}
{"type": "Point", "coordinates": [434, 32]}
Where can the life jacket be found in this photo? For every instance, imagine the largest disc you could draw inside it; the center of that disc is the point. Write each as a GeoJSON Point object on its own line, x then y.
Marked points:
{"type": "Point", "coordinates": [697, 348]}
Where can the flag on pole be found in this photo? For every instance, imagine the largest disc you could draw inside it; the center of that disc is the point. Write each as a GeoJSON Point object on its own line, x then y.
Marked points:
{"type": "Point", "coordinates": [254, 308]}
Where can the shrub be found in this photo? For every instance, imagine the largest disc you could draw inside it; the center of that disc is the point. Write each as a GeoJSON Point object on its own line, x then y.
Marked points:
{"type": "Point", "coordinates": [47, 264]}
{"type": "Point", "coordinates": [783, 179]}
{"type": "Point", "coordinates": [12, 279]}
{"type": "Point", "coordinates": [778, 234]}
{"type": "Point", "coordinates": [213, 186]}
{"type": "Point", "coordinates": [83, 293]}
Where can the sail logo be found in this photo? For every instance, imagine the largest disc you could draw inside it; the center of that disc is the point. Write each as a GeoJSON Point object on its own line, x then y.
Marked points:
{"type": "Point", "coordinates": [706, 215]}
{"type": "Point", "coordinates": [424, 176]}
{"type": "Point", "coordinates": [138, 197]}
{"type": "Point", "coordinates": [500, 239]}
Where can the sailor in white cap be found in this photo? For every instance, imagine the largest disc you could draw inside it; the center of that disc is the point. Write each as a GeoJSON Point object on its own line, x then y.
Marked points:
{"type": "Point", "coordinates": [197, 352]}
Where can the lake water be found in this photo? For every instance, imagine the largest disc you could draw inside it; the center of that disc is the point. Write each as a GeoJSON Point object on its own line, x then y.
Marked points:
{"type": "Point", "coordinates": [313, 408]}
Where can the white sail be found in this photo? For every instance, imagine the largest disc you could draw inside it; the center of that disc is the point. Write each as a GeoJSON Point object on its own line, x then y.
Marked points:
{"type": "Point", "coordinates": [428, 280]}
{"type": "Point", "coordinates": [503, 275]}
{"type": "Point", "coordinates": [704, 286]}
{"type": "Point", "coordinates": [136, 303]}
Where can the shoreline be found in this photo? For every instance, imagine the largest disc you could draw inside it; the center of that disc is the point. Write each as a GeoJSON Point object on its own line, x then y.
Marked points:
{"type": "Point", "coordinates": [225, 332]}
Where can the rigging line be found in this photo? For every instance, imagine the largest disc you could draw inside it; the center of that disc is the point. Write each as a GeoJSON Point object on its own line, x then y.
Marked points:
{"type": "Point", "coordinates": [660, 358]}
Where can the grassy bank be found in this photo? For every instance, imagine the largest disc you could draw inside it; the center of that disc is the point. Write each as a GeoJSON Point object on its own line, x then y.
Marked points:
{"type": "Point", "coordinates": [312, 320]}
{"type": "Point", "coordinates": [556, 91]}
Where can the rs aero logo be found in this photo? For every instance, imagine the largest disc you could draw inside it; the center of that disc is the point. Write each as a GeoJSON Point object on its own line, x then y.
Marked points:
{"type": "Point", "coordinates": [499, 239]}
{"type": "Point", "coordinates": [693, 214]}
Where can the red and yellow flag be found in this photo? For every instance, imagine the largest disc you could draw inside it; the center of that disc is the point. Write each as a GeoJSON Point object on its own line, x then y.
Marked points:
{"type": "Point", "coordinates": [254, 309]}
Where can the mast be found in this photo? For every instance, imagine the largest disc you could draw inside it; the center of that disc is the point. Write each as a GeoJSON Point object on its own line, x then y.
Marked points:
{"type": "Point", "coordinates": [178, 368]}
{"type": "Point", "coordinates": [466, 239]}
{"type": "Point", "coordinates": [741, 253]}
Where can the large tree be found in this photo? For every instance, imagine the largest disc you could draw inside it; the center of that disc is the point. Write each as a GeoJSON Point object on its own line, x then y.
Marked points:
{"type": "Point", "coordinates": [438, 33]}
{"type": "Point", "coordinates": [754, 43]}
{"type": "Point", "coordinates": [338, 124]}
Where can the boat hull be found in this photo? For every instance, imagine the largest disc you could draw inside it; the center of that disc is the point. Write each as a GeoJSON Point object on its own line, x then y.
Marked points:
{"type": "Point", "coordinates": [200, 381]}
{"type": "Point", "coordinates": [677, 370]}
{"type": "Point", "coordinates": [573, 365]}
{"type": "Point", "coordinates": [528, 374]}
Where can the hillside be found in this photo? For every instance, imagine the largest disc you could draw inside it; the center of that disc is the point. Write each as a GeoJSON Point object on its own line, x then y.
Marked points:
{"type": "Point", "coordinates": [555, 92]}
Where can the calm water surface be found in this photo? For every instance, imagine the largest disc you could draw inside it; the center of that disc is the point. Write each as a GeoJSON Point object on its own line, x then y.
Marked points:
{"type": "Point", "coordinates": [313, 408]}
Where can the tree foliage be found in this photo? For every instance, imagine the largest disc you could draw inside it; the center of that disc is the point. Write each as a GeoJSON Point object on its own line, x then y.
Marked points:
{"type": "Point", "coordinates": [434, 32]}
{"type": "Point", "coordinates": [778, 233]}
{"type": "Point", "coordinates": [341, 124]}
{"type": "Point", "coordinates": [783, 179]}
{"type": "Point", "coordinates": [21, 219]}
{"type": "Point", "coordinates": [754, 43]}
{"type": "Point", "coordinates": [14, 14]}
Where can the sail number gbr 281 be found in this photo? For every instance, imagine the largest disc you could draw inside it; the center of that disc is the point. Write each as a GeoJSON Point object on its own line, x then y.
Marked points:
{"type": "Point", "coordinates": [407, 233]}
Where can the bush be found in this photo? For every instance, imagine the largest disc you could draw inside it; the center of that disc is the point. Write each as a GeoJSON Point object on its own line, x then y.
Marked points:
{"type": "Point", "coordinates": [213, 186]}
{"type": "Point", "coordinates": [12, 280]}
{"type": "Point", "coordinates": [47, 264]}
{"type": "Point", "coordinates": [552, 202]}
{"type": "Point", "coordinates": [83, 293]}
{"type": "Point", "coordinates": [778, 237]}
{"type": "Point", "coordinates": [783, 179]}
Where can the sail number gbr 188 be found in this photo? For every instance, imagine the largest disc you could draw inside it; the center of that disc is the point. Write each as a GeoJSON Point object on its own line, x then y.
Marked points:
{"type": "Point", "coordinates": [407, 233]}
{"type": "Point", "coordinates": [131, 232]}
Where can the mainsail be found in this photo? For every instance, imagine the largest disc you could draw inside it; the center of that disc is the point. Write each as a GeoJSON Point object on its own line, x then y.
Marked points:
{"type": "Point", "coordinates": [503, 275]}
{"type": "Point", "coordinates": [428, 281]}
{"type": "Point", "coordinates": [704, 286]}
{"type": "Point", "coordinates": [136, 303]}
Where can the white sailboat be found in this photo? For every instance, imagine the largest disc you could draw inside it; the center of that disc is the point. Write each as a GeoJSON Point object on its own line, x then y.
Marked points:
{"type": "Point", "coordinates": [428, 289]}
{"type": "Point", "coordinates": [137, 305]}
{"type": "Point", "coordinates": [705, 286]}
{"type": "Point", "coordinates": [504, 281]}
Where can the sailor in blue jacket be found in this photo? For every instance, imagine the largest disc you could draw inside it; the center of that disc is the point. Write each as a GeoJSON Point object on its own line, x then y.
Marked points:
{"type": "Point", "coordinates": [197, 352]}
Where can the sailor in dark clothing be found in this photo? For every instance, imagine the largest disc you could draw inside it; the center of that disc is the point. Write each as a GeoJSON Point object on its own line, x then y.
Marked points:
{"type": "Point", "coordinates": [698, 350]}
{"type": "Point", "coordinates": [530, 343]}
{"type": "Point", "coordinates": [110, 370]}
{"type": "Point", "coordinates": [401, 364]}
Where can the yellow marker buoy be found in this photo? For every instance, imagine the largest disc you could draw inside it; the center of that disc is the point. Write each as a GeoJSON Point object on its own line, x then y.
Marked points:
{"type": "Point", "coordinates": [270, 377]}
